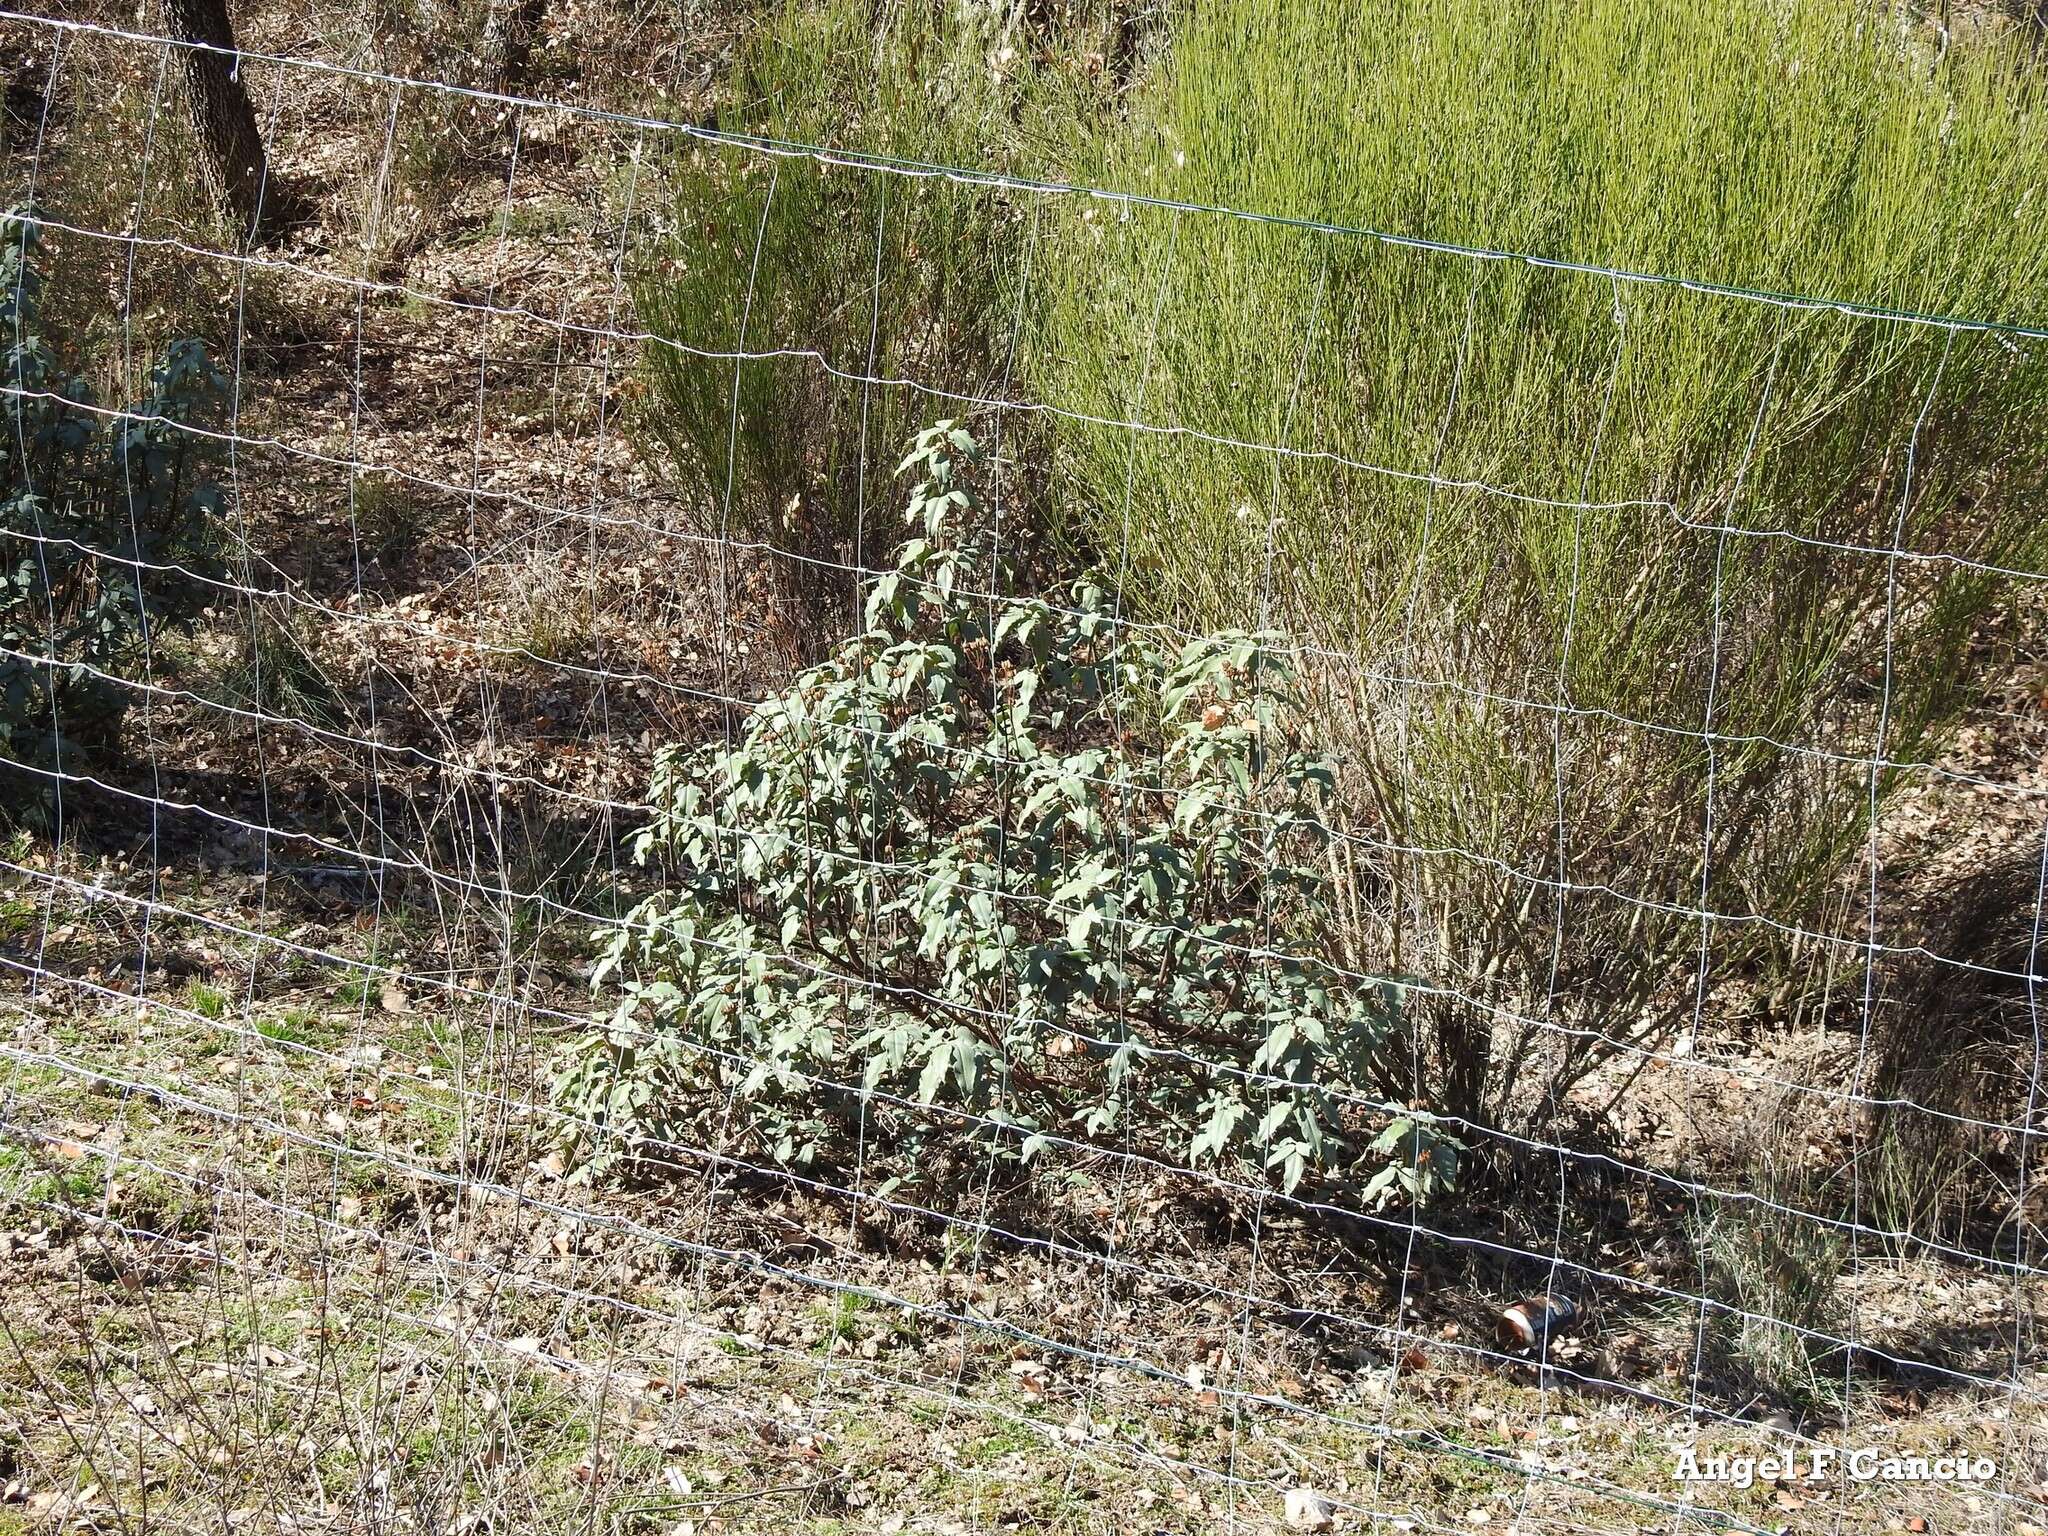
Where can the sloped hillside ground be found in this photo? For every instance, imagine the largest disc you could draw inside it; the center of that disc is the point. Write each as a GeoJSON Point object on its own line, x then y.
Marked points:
{"type": "Point", "coordinates": [287, 1239]}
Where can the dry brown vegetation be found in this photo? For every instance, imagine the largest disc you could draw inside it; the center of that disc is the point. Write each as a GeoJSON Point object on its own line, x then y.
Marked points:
{"type": "Point", "coordinates": [287, 1241]}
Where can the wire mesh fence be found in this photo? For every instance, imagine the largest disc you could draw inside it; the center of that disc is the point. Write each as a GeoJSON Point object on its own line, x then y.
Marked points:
{"type": "Point", "coordinates": [1335, 930]}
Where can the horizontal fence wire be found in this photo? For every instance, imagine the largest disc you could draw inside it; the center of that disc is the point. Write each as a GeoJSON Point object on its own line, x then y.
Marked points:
{"type": "Point", "coordinates": [291, 969]}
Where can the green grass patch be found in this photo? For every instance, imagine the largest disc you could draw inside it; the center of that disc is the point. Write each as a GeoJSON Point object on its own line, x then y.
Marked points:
{"type": "Point", "coordinates": [294, 1026]}
{"type": "Point", "coordinates": [209, 1002]}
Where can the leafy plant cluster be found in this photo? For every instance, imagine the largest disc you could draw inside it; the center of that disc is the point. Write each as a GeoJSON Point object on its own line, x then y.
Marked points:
{"type": "Point", "coordinates": [1016, 858]}
{"type": "Point", "coordinates": [108, 527]}
{"type": "Point", "coordinates": [1804, 148]}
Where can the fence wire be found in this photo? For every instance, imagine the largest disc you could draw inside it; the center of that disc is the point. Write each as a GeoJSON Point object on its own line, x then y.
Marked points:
{"type": "Point", "coordinates": [301, 1234]}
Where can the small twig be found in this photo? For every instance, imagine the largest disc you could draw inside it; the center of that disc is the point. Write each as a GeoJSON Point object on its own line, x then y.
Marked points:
{"type": "Point", "coordinates": [728, 1498]}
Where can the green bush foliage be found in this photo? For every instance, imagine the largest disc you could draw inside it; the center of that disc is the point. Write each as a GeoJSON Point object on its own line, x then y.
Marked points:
{"type": "Point", "coordinates": [93, 507]}
{"type": "Point", "coordinates": [1016, 857]}
{"type": "Point", "coordinates": [1546, 531]}
{"type": "Point", "coordinates": [878, 277]}
{"type": "Point", "coordinates": [1526, 672]}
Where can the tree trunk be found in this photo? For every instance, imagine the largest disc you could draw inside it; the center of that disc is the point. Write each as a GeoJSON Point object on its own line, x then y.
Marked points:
{"type": "Point", "coordinates": [230, 148]}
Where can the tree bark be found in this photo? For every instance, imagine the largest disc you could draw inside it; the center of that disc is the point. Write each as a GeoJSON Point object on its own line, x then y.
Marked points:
{"type": "Point", "coordinates": [230, 148]}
